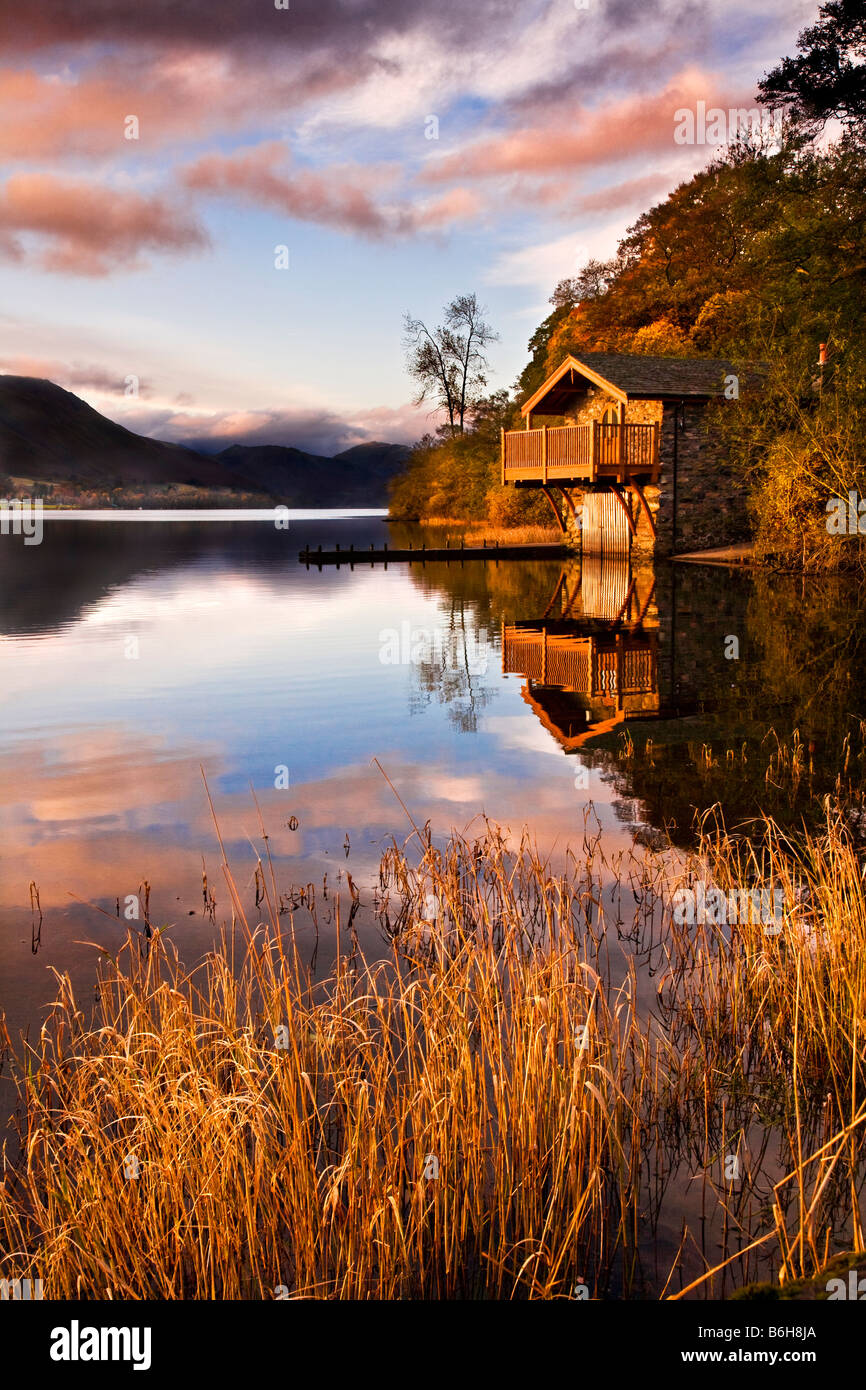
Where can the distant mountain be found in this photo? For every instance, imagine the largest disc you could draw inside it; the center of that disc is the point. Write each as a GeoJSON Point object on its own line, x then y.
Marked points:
{"type": "Point", "coordinates": [51, 436]}
{"type": "Point", "coordinates": [356, 477]}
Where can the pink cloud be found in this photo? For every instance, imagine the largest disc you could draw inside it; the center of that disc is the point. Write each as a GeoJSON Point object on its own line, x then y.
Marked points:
{"type": "Point", "coordinates": [457, 205]}
{"type": "Point", "coordinates": [42, 116]}
{"type": "Point", "coordinates": [396, 424]}
{"type": "Point", "coordinates": [629, 193]}
{"type": "Point", "coordinates": [348, 197]}
{"type": "Point", "coordinates": [70, 374]}
{"type": "Point", "coordinates": [339, 198]}
{"type": "Point", "coordinates": [581, 139]}
{"type": "Point", "coordinates": [83, 228]}
{"type": "Point", "coordinates": [173, 96]}
{"type": "Point", "coordinates": [319, 431]}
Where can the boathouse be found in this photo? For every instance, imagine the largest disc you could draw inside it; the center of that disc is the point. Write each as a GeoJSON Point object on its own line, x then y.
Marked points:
{"type": "Point", "coordinates": [623, 450]}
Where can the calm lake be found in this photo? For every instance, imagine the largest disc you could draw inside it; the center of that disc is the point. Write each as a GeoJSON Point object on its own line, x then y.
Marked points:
{"type": "Point", "coordinates": [138, 656]}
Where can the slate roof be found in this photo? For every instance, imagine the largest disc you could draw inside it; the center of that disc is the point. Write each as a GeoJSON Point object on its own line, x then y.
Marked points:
{"type": "Point", "coordinates": [658, 376]}
{"type": "Point", "coordinates": [638, 377]}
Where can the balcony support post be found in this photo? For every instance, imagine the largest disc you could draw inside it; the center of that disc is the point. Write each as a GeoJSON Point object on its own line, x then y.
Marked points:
{"type": "Point", "coordinates": [636, 487]}
{"type": "Point", "coordinates": [614, 487]}
{"type": "Point", "coordinates": [559, 518]}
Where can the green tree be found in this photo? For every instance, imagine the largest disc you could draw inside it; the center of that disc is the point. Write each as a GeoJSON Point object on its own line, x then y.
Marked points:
{"type": "Point", "coordinates": [828, 77]}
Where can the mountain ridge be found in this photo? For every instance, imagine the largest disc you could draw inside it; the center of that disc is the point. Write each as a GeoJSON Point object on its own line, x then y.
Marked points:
{"type": "Point", "coordinates": [50, 436]}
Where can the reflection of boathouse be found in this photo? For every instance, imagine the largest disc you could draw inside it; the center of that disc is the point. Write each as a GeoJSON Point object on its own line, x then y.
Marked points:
{"type": "Point", "coordinates": [581, 686]}
{"type": "Point", "coordinates": [592, 660]}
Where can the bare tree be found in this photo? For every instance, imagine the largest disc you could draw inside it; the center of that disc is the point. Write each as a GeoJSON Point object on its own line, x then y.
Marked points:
{"type": "Point", "coordinates": [449, 362]}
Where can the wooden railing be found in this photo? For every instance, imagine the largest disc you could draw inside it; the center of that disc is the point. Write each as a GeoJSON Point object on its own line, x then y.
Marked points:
{"type": "Point", "coordinates": [580, 452]}
{"type": "Point", "coordinates": [569, 450]}
{"type": "Point", "coordinates": [524, 452]}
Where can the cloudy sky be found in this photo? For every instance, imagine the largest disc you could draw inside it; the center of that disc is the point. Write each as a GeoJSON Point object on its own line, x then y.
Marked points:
{"type": "Point", "coordinates": [402, 152]}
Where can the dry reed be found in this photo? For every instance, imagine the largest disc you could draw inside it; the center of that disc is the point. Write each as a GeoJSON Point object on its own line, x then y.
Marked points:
{"type": "Point", "coordinates": [489, 1109]}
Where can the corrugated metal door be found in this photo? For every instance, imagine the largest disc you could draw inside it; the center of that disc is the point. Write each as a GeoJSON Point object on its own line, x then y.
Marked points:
{"type": "Point", "coordinates": [605, 530]}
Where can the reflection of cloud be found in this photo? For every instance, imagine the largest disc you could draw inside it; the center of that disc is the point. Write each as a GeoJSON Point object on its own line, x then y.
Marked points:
{"type": "Point", "coordinates": [462, 791]}
{"type": "Point", "coordinates": [360, 797]}
{"type": "Point", "coordinates": [94, 774]}
{"type": "Point", "coordinates": [512, 731]}
{"type": "Point", "coordinates": [141, 603]}
{"type": "Point", "coordinates": [84, 821]}
{"type": "Point", "coordinates": [106, 810]}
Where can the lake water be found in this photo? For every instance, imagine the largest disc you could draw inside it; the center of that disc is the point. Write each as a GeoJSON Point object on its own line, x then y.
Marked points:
{"type": "Point", "coordinates": [139, 657]}
{"type": "Point", "coordinates": [136, 656]}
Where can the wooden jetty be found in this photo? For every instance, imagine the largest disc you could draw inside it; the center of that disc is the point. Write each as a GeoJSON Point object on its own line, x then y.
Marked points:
{"type": "Point", "coordinates": [421, 554]}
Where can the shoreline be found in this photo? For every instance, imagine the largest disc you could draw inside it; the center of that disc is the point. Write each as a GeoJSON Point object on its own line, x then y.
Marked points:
{"type": "Point", "coordinates": [741, 554]}
{"type": "Point", "coordinates": [278, 512]}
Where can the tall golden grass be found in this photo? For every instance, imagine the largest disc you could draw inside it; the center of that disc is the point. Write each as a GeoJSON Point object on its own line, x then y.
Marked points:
{"type": "Point", "coordinates": [493, 1108]}
{"type": "Point", "coordinates": [487, 532]}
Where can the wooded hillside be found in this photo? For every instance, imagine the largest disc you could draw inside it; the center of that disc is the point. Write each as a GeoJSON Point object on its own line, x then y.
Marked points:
{"type": "Point", "coordinates": [760, 256]}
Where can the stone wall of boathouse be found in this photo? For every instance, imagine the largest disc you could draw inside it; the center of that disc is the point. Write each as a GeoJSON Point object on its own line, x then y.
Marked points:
{"type": "Point", "coordinates": [710, 498]}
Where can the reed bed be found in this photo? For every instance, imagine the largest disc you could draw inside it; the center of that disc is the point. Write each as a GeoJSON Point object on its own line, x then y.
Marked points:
{"type": "Point", "coordinates": [499, 1106]}
{"type": "Point", "coordinates": [487, 532]}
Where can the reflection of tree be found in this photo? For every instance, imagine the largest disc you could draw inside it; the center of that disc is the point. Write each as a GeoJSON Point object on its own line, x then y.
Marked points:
{"type": "Point", "coordinates": [475, 598]}
{"type": "Point", "coordinates": [812, 644]}
{"type": "Point", "coordinates": [772, 732]}
{"type": "Point", "coordinates": [801, 672]}
{"type": "Point", "coordinates": [46, 587]}
{"type": "Point", "coordinates": [508, 591]}
{"type": "Point", "coordinates": [451, 671]}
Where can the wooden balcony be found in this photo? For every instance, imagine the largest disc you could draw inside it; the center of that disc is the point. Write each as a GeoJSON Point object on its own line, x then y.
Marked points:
{"type": "Point", "coordinates": [581, 454]}
{"type": "Point", "coordinates": [607, 668]}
